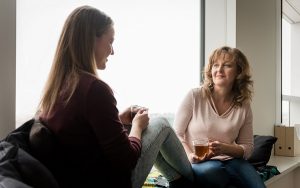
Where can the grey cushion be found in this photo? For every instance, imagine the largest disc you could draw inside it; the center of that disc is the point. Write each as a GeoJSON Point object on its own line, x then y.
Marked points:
{"type": "Point", "coordinates": [7, 182]}
{"type": "Point", "coordinates": [8, 161]}
{"type": "Point", "coordinates": [35, 173]}
{"type": "Point", "coordinates": [19, 166]}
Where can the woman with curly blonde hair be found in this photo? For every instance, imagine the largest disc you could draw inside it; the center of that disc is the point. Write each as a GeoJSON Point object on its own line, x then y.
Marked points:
{"type": "Point", "coordinates": [220, 111]}
{"type": "Point", "coordinates": [242, 86]}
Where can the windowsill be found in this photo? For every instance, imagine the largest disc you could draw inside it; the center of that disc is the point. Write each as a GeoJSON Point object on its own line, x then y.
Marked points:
{"type": "Point", "coordinates": [285, 165]}
{"type": "Point", "coordinates": [290, 98]}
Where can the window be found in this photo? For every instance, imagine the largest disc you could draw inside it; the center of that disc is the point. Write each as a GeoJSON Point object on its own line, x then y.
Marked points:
{"type": "Point", "coordinates": [157, 50]}
{"type": "Point", "coordinates": [290, 75]}
{"type": "Point", "coordinates": [286, 67]}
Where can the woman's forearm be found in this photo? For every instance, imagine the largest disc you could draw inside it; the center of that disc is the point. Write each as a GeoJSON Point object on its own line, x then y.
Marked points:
{"type": "Point", "coordinates": [233, 150]}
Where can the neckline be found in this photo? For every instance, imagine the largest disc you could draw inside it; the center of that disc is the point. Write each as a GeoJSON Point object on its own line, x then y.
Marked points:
{"type": "Point", "coordinates": [213, 106]}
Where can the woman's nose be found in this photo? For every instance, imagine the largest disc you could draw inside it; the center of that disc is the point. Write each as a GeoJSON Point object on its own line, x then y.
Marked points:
{"type": "Point", "coordinates": [220, 68]}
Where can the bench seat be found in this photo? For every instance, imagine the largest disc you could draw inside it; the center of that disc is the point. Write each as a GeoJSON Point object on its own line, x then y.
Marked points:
{"type": "Point", "coordinates": [289, 176]}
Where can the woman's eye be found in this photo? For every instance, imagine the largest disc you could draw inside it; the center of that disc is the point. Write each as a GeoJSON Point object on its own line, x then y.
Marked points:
{"type": "Point", "coordinates": [227, 65]}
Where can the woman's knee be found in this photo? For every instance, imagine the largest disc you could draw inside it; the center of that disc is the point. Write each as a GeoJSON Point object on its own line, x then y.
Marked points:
{"type": "Point", "coordinates": [203, 169]}
{"type": "Point", "coordinates": [159, 124]}
{"type": "Point", "coordinates": [210, 173]}
{"type": "Point", "coordinates": [240, 165]}
{"type": "Point", "coordinates": [157, 131]}
{"type": "Point", "coordinates": [160, 121]}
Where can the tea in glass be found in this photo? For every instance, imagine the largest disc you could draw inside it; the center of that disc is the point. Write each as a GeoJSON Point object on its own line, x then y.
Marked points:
{"type": "Point", "coordinates": [200, 147]}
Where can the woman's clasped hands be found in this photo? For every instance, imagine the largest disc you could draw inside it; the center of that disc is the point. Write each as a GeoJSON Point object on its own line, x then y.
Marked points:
{"type": "Point", "coordinates": [135, 114]}
{"type": "Point", "coordinates": [215, 148]}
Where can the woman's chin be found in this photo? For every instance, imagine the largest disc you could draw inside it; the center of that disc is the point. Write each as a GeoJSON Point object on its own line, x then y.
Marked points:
{"type": "Point", "coordinates": [101, 67]}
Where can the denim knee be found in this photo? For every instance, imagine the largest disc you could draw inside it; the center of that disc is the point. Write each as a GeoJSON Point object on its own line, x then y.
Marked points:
{"type": "Point", "coordinates": [210, 174]}
{"type": "Point", "coordinates": [244, 174]}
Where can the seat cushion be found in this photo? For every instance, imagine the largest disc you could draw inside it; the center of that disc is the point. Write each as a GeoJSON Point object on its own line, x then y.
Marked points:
{"type": "Point", "coordinates": [7, 182]}
{"type": "Point", "coordinates": [35, 173]}
{"type": "Point", "coordinates": [262, 150]}
{"type": "Point", "coordinates": [18, 165]}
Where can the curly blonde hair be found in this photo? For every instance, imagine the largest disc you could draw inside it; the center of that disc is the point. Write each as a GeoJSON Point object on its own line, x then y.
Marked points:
{"type": "Point", "coordinates": [243, 85]}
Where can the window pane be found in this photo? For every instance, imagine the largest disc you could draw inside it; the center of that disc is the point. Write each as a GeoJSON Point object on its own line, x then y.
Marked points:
{"type": "Point", "coordinates": [286, 66]}
{"type": "Point", "coordinates": [286, 57]}
{"type": "Point", "coordinates": [290, 73]}
{"type": "Point", "coordinates": [157, 50]}
{"type": "Point", "coordinates": [285, 112]}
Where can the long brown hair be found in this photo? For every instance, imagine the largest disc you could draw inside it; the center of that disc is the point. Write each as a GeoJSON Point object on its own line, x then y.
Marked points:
{"type": "Point", "coordinates": [74, 54]}
{"type": "Point", "coordinates": [243, 85]}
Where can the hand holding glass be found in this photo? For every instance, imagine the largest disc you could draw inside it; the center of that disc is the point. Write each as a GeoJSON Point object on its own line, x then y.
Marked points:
{"type": "Point", "coordinates": [200, 147]}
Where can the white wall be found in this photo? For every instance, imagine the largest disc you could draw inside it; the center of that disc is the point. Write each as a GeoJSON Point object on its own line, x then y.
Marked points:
{"type": "Point", "coordinates": [257, 28]}
{"type": "Point", "coordinates": [7, 65]}
{"type": "Point", "coordinates": [256, 33]}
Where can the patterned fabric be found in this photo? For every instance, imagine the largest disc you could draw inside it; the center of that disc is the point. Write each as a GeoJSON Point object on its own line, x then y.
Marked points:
{"type": "Point", "coordinates": [156, 179]}
{"type": "Point", "coordinates": [267, 172]}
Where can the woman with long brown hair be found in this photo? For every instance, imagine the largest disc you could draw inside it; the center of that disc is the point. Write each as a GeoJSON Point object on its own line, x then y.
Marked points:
{"type": "Point", "coordinates": [93, 149]}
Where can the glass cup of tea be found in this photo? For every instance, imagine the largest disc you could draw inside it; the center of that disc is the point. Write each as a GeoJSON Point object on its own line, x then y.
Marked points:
{"type": "Point", "coordinates": [200, 147]}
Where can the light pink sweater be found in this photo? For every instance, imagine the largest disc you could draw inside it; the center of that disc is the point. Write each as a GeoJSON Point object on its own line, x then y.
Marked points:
{"type": "Point", "coordinates": [196, 118]}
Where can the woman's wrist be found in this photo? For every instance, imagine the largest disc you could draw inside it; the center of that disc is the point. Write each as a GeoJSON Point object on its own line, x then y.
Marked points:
{"type": "Point", "coordinates": [233, 150]}
{"type": "Point", "coordinates": [136, 131]}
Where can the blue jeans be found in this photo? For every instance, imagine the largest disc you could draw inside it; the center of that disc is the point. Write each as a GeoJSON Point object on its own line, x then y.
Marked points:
{"type": "Point", "coordinates": [218, 174]}
{"type": "Point", "coordinates": [161, 148]}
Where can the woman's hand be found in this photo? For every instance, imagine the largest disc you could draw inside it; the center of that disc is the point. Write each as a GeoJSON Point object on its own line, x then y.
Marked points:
{"type": "Point", "coordinates": [193, 158]}
{"type": "Point", "coordinates": [216, 147]}
{"type": "Point", "coordinates": [139, 123]}
{"type": "Point", "coordinates": [141, 119]}
{"type": "Point", "coordinates": [125, 116]}
{"type": "Point", "coordinates": [128, 114]}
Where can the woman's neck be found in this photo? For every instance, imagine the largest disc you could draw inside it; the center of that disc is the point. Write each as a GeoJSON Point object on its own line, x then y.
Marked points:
{"type": "Point", "coordinates": [222, 100]}
{"type": "Point", "coordinates": [222, 95]}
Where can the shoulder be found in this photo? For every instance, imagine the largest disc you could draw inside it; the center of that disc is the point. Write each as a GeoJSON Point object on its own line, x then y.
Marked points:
{"type": "Point", "coordinates": [92, 87]}
{"type": "Point", "coordinates": [193, 91]}
{"type": "Point", "coordinates": [245, 109]}
{"type": "Point", "coordinates": [248, 108]}
{"type": "Point", "coordinates": [90, 81]}
{"type": "Point", "coordinates": [198, 92]}
{"type": "Point", "coordinates": [194, 95]}
{"type": "Point", "coordinates": [245, 106]}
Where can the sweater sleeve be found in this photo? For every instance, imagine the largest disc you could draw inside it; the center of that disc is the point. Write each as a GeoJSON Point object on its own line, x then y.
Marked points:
{"type": "Point", "coordinates": [183, 116]}
{"type": "Point", "coordinates": [113, 140]}
{"type": "Point", "coordinates": [245, 137]}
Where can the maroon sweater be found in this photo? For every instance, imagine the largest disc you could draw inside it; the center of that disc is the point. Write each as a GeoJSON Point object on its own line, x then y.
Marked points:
{"type": "Point", "coordinates": [93, 148]}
